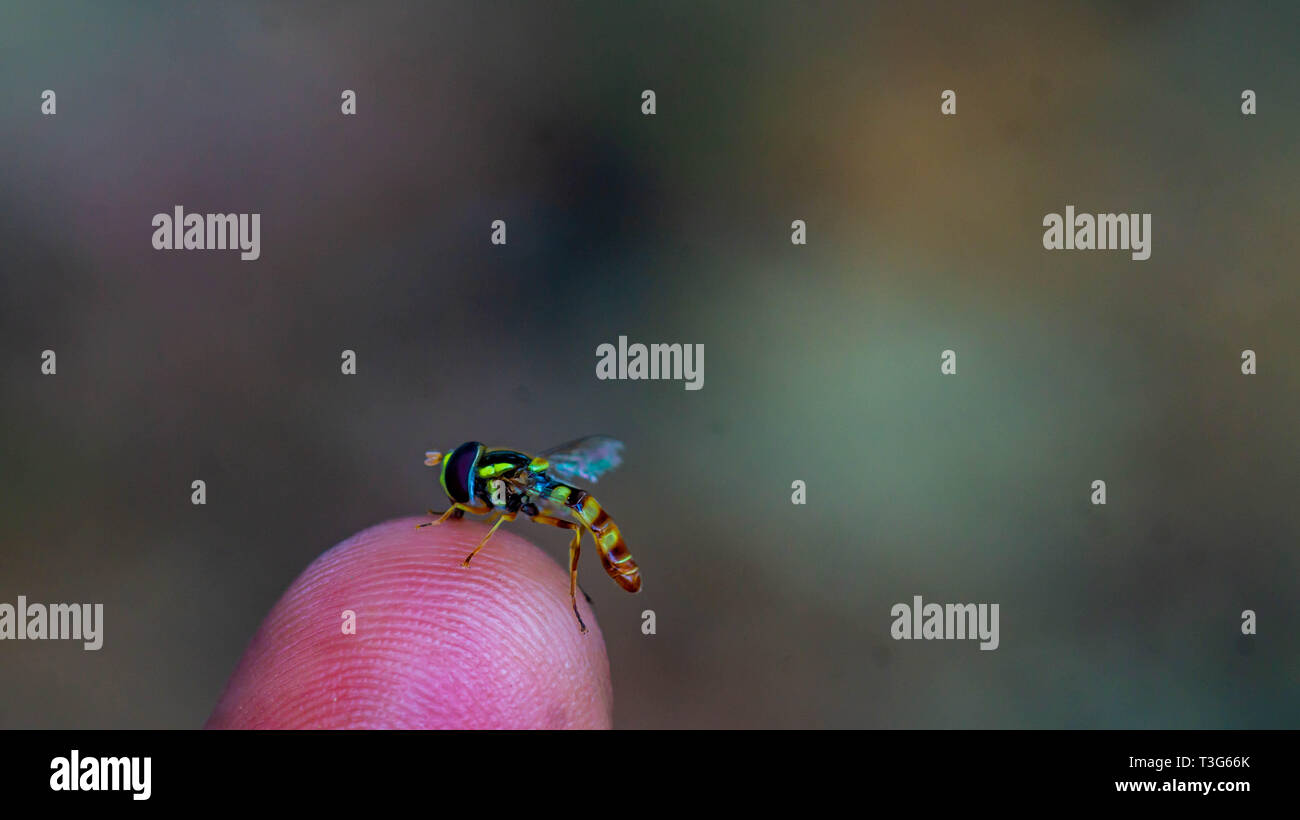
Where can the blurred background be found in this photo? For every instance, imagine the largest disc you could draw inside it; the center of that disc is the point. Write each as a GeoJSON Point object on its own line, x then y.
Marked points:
{"type": "Point", "coordinates": [822, 361]}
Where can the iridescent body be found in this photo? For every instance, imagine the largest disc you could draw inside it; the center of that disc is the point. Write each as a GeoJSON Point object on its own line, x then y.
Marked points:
{"type": "Point", "coordinates": [481, 480]}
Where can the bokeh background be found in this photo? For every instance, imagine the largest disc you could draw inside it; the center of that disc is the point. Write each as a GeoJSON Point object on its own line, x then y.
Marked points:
{"type": "Point", "coordinates": [822, 362]}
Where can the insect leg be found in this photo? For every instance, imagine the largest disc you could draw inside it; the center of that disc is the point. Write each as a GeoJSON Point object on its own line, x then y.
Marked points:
{"type": "Point", "coordinates": [454, 512]}
{"type": "Point", "coordinates": [575, 549]}
{"type": "Point", "coordinates": [483, 543]}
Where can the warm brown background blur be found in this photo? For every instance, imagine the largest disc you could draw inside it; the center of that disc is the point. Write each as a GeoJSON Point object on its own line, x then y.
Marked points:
{"type": "Point", "coordinates": [822, 362]}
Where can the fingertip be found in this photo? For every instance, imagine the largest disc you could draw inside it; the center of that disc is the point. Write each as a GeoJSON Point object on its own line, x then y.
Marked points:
{"type": "Point", "coordinates": [389, 629]}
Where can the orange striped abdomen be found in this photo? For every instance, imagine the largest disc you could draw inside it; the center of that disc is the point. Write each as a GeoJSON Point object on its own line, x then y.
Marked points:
{"type": "Point", "coordinates": [614, 553]}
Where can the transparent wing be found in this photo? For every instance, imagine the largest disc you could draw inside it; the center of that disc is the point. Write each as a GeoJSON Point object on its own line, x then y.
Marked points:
{"type": "Point", "coordinates": [587, 458]}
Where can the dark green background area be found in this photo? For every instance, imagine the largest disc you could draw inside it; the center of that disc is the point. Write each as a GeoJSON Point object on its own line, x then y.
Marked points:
{"type": "Point", "coordinates": [822, 362]}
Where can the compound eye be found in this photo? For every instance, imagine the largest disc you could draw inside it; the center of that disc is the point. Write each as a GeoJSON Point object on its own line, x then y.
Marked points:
{"type": "Point", "coordinates": [458, 471]}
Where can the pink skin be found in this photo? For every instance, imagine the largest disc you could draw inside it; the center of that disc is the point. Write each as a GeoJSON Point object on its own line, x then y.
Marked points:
{"type": "Point", "coordinates": [437, 645]}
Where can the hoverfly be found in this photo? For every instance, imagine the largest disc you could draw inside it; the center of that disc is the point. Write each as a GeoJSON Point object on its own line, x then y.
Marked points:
{"type": "Point", "coordinates": [480, 480]}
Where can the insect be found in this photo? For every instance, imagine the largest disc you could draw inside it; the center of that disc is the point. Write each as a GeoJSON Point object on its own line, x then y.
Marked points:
{"type": "Point", "coordinates": [481, 480]}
